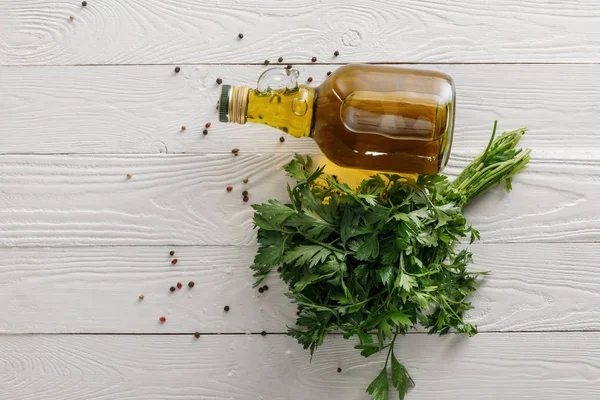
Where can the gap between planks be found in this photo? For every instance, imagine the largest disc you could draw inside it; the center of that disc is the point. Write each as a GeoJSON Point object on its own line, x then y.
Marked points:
{"type": "Point", "coordinates": [283, 64]}
{"type": "Point", "coordinates": [574, 331]}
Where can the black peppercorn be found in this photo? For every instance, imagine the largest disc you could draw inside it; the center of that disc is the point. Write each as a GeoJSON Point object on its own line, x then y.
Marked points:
{"type": "Point", "coordinates": [177, 69]}
{"type": "Point", "coordinates": [280, 59]}
{"type": "Point", "coordinates": [241, 35]}
{"type": "Point", "coordinates": [172, 288]}
{"type": "Point", "coordinates": [265, 288]}
{"type": "Point", "coordinates": [171, 253]}
{"type": "Point", "coordinates": [266, 62]}
{"type": "Point", "coordinates": [314, 59]}
{"type": "Point", "coordinates": [309, 79]}
{"type": "Point", "coordinates": [260, 290]}
{"type": "Point", "coordinates": [219, 81]}
{"type": "Point", "coordinates": [336, 53]}
{"type": "Point", "coordinates": [289, 66]}
{"type": "Point", "coordinates": [339, 370]}
{"type": "Point", "coordinates": [205, 131]}
{"type": "Point", "coordinates": [196, 335]}
{"type": "Point", "coordinates": [328, 73]}
{"type": "Point", "coordinates": [263, 333]}
{"type": "Point", "coordinates": [191, 284]}
{"type": "Point", "coordinates": [84, 3]}
{"type": "Point", "coordinates": [183, 127]}
{"type": "Point", "coordinates": [282, 139]}
{"type": "Point", "coordinates": [226, 308]}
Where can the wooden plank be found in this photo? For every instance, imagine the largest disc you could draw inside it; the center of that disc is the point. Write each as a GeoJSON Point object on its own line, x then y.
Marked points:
{"type": "Point", "coordinates": [533, 287]}
{"type": "Point", "coordinates": [559, 366]}
{"type": "Point", "coordinates": [156, 31]}
{"type": "Point", "coordinates": [140, 109]}
{"type": "Point", "coordinates": [78, 200]}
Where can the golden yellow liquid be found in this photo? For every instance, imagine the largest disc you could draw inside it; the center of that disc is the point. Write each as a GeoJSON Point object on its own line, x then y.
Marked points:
{"type": "Point", "coordinates": [385, 119]}
{"type": "Point", "coordinates": [351, 176]}
{"type": "Point", "coordinates": [367, 117]}
{"type": "Point", "coordinates": [288, 110]}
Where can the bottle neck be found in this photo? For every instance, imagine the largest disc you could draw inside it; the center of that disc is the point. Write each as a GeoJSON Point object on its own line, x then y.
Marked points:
{"type": "Point", "coordinates": [290, 111]}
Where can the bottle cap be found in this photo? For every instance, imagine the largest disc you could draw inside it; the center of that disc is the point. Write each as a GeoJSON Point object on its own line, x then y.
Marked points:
{"type": "Point", "coordinates": [224, 103]}
{"type": "Point", "coordinates": [233, 104]}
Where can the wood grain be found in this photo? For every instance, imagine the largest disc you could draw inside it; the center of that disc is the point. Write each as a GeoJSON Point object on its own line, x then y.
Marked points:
{"type": "Point", "coordinates": [558, 366]}
{"type": "Point", "coordinates": [140, 109]}
{"type": "Point", "coordinates": [84, 102]}
{"type": "Point", "coordinates": [158, 31]}
{"type": "Point", "coordinates": [533, 287]}
{"type": "Point", "coordinates": [74, 200]}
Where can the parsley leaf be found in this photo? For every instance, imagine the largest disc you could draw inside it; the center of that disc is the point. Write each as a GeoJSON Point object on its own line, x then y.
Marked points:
{"type": "Point", "coordinates": [400, 378]}
{"type": "Point", "coordinates": [379, 388]}
{"type": "Point", "coordinates": [379, 258]}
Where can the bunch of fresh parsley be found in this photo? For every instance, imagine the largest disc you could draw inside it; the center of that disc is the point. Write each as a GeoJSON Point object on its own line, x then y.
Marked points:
{"type": "Point", "coordinates": [382, 258]}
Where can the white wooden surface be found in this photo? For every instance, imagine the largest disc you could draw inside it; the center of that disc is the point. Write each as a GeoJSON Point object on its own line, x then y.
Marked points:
{"type": "Point", "coordinates": [168, 31]}
{"type": "Point", "coordinates": [85, 102]}
{"type": "Point", "coordinates": [140, 109]}
{"type": "Point", "coordinates": [39, 294]}
{"type": "Point", "coordinates": [249, 367]}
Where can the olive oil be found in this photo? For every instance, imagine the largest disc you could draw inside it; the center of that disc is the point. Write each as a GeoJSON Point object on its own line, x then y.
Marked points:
{"type": "Point", "coordinates": [363, 116]}
{"type": "Point", "coordinates": [288, 110]}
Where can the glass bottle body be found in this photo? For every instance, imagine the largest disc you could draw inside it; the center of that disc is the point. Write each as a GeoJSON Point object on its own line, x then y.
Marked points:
{"type": "Point", "coordinates": [386, 119]}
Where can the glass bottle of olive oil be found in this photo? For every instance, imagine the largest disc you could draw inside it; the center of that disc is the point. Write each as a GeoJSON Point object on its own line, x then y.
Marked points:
{"type": "Point", "coordinates": [363, 116]}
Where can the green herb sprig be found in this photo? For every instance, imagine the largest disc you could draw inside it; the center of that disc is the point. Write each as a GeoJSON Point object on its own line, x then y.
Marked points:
{"type": "Point", "coordinates": [381, 258]}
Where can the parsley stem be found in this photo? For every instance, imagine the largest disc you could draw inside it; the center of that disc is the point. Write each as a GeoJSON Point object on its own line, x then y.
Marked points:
{"type": "Point", "coordinates": [328, 247]}
{"type": "Point", "coordinates": [443, 298]}
{"type": "Point", "coordinates": [499, 162]}
{"type": "Point", "coordinates": [390, 351]}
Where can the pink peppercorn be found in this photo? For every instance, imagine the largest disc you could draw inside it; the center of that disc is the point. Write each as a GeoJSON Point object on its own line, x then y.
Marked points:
{"type": "Point", "coordinates": [162, 320]}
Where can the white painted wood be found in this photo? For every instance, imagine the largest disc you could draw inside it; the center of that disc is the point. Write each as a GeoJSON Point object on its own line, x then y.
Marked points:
{"type": "Point", "coordinates": [533, 287]}
{"type": "Point", "coordinates": [79, 241]}
{"type": "Point", "coordinates": [77, 200]}
{"type": "Point", "coordinates": [159, 31]}
{"type": "Point", "coordinates": [558, 366]}
{"type": "Point", "coordinates": [140, 109]}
